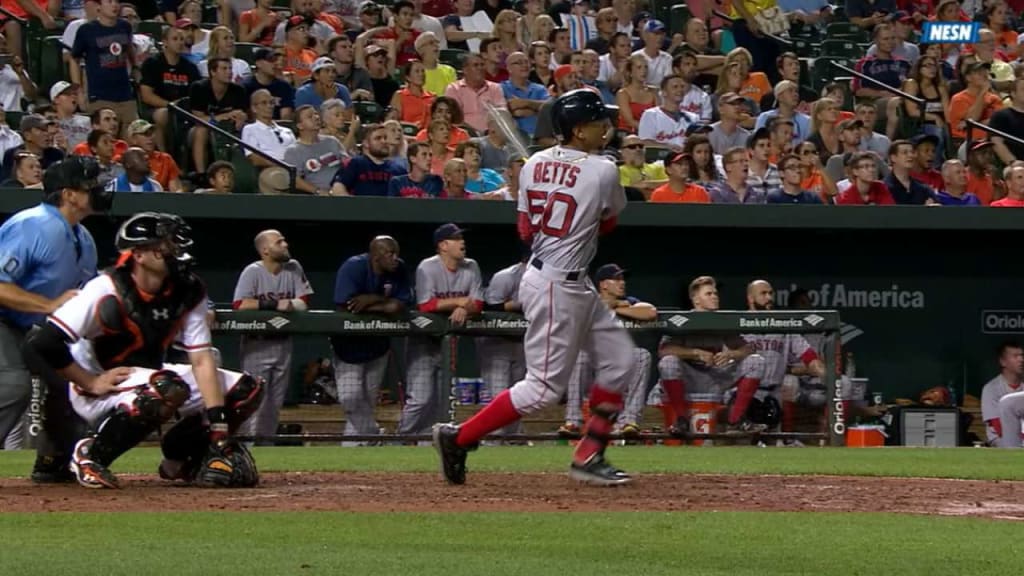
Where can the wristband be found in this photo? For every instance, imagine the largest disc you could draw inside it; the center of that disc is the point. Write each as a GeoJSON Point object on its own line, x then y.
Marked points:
{"type": "Point", "coordinates": [268, 304]}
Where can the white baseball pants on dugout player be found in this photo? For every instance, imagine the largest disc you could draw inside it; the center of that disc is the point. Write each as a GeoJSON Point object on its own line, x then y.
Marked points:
{"type": "Point", "coordinates": [93, 409]}
{"type": "Point", "coordinates": [567, 316]}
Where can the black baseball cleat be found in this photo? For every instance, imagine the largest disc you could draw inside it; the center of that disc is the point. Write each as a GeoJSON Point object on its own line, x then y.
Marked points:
{"type": "Point", "coordinates": [52, 470]}
{"type": "Point", "coordinates": [453, 456]}
{"type": "Point", "coordinates": [598, 472]}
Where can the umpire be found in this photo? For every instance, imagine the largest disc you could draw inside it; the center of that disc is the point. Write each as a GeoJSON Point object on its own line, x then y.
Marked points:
{"type": "Point", "coordinates": [45, 255]}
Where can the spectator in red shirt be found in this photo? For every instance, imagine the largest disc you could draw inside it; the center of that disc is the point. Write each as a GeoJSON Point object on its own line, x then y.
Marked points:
{"type": "Point", "coordinates": [1014, 177]}
{"type": "Point", "coordinates": [864, 189]}
{"type": "Point", "coordinates": [402, 35]}
{"type": "Point", "coordinates": [924, 154]}
{"type": "Point", "coordinates": [258, 25]}
{"type": "Point", "coordinates": [494, 68]}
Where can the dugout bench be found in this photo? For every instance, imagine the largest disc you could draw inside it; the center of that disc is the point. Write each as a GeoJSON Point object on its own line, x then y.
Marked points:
{"type": "Point", "coordinates": [669, 322]}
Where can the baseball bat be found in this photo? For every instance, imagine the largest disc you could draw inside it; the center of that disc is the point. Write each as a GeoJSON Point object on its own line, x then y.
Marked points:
{"type": "Point", "coordinates": [503, 120]}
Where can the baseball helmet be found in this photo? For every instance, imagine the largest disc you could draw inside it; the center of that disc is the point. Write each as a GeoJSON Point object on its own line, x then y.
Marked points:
{"type": "Point", "coordinates": [766, 411]}
{"type": "Point", "coordinates": [80, 173]}
{"type": "Point", "coordinates": [577, 107]}
{"type": "Point", "coordinates": [149, 228]}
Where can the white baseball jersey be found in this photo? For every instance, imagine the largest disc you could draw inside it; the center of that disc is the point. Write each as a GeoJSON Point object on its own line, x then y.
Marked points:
{"type": "Point", "coordinates": [780, 351]}
{"type": "Point", "coordinates": [258, 283]}
{"type": "Point", "coordinates": [566, 194]}
{"type": "Point", "coordinates": [657, 67]}
{"type": "Point", "coordinates": [993, 391]}
{"type": "Point", "coordinates": [658, 125]}
{"type": "Point", "coordinates": [78, 318]}
{"type": "Point", "coordinates": [698, 103]}
{"type": "Point", "coordinates": [436, 282]}
{"type": "Point", "coordinates": [504, 286]}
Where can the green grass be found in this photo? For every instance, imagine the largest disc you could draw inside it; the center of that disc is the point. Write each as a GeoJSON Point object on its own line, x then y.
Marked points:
{"type": "Point", "coordinates": [972, 463]}
{"type": "Point", "coordinates": [648, 544]}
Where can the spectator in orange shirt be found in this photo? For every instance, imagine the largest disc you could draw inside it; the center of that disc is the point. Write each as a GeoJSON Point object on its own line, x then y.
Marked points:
{"type": "Point", "coordinates": [103, 119]}
{"type": "Point", "coordinates": [162, 166]}
{"type": "Point", "coordinates": [258, 25]}
{"type": "Point", "coordinates": [980, 182]}
{"type": "Point", "coordinates": [681, 169]}
{"type": "Point", "coordinates": [444, 108]}
{"type": "Point", "coordinates": [977, 101]}
{"type": "Point", "coordinates": [755, 84]}
{"type": "Point", "coordinates": [411, 104]}
{"type": "Point", "coordinates": [812, 173]}
{"type": "Point", "coordinates": [298, 58]}
{"type": "Point", "coordinates": [1014, 177]}
{"type": "Point", "coordinates": [439, 140]}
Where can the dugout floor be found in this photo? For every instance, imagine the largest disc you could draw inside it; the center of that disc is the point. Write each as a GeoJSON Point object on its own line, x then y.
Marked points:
{"type": "Point", "coordinates": [407, 492]}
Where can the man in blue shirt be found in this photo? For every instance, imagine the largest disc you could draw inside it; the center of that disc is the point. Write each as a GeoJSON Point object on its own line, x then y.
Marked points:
{"type": "Point", "coordinates": [369, 173]}
{"type": "Point", "coordinates": [375, 282]}
{"type": "Point", "coordinates": [524, 98]}
{"type": "Point", "coordinates": [419, 182]}
{"type": "Point", "coordinates": [954, 175]}
{"type": "Point", "coordinates": [267, 66]}
{"type": "Point", "coordinates": [904, 189]}
{"type": "Point", "coordinates": [106, 45]}
{"type": "Point", "coordinates": [45, 255]}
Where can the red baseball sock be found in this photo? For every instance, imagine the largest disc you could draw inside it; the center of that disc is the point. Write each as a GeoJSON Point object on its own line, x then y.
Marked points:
{"type": "Point", "coordinates": [676, 392]}
{"type": "Point", "coordinates": [745, 389]}
{"type": "Point", "coordinates": [498, 414]}
{"type": "Point", "coordinates": [788, 409]}
{"type": "Point", "coordinates": [604, 407]}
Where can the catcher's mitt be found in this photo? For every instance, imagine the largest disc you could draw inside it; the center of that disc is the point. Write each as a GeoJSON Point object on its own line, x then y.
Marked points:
{"type": "Point", "coordinates": [228, 466]}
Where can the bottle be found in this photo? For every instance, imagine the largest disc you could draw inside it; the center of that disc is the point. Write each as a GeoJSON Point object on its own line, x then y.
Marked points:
{"type": "Point", "coordinates": [850, 369]}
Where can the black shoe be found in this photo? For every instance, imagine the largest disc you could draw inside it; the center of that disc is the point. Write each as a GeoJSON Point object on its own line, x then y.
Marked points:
{"type": "Point", "coordinates": [453, 456]}
{"type": "Point", "coordinates": [52, 470]}
{"type": "Point", "coordinates": [681, 429]}
{"type": "Point", "coordinates": [599, 472]}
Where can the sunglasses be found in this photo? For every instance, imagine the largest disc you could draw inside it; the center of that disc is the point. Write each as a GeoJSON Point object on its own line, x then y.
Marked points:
{"type": "Point", "coordinates": [634, 147]}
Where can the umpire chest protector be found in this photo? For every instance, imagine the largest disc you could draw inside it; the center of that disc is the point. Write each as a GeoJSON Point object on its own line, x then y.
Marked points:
{"type": "Point", "coordinates": [138, 328]}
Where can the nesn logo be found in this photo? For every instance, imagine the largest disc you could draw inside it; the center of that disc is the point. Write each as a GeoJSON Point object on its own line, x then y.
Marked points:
{"type": "Point", "coordinates": [950, 32]}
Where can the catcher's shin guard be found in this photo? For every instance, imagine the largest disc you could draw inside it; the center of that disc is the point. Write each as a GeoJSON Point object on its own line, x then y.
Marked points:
{"type": "Point", "coordinates": [243, 399]}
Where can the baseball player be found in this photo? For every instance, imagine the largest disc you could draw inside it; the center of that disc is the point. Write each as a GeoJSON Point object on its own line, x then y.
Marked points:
{"type": "Point", "coordinates": [375, 282]}
{"type": "Point", "coordinates": [45, 255]}
{"type": "Point", "coordinates": [274, 282]}
{"type": "Point", "coordinates": [449, 283]}
{"type": "Point", "coordinates": [501, 359]}
{"type": "Point", "coordinates": [611, 286]}
{"type": "Point", "coordinates": [109, 342]}
{"type": "Point", "coordinates": [568, 195]}
{"type": "Point", "coordinates": [1000, 389]}
{"type": "Point", "coordinates": [709, 363]}
{"type": "Point", "coordinates": [780, 351]}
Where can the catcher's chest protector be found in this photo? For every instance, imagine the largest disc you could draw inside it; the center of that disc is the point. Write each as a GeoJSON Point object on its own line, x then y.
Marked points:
{"type": "Point", "coordinates": [137, 329]}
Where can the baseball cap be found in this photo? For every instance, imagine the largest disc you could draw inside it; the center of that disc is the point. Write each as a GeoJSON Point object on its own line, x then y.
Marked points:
{"type": "Point", "coordinates": [925, 138]}
{"type": "Point", "coordinates": [139, 126]}
{"type": "Point", "coordinates": [321, 63]}
{"type": "Point", "coordinates": [185, 23]}
{"type": "Point", "coordinates": [447, 232]}
{"type": "Point", "coordinates": [851, 124]}
{"type": "Point", "coordinates": [731, 98]}
{"type": "Point", "coordinates": [373, 50]}
{"type": "Point", "coordinates": [785, 85]}
{"type": "Point", "coordinates": [33, 121]}
{"type": "Point", "coordinates": [369, 6]}
{"type": "Point", "coordinates": [640, 17]}
{"type": "Point", "coordinates": [976, 66]}
{"type": "Point", "coordinates": [267, 54]}
{"type": "Point", "coordinates": [59, 88]}
{"type": "Point", "coordinates": [698, 128]}
{"type": "Point", "coordinates": [981, 145]}
{"type": "Point", "coordinates": [609, 271]}
{"type": "Point", "coordinates": [654, 26]}
{"type": "Point", "coordinates": [563, 71]}
{"type": "Point", "coordinates": [899, 16]}
{"type": "Point", "coordinates": [295, 22]}
{"type": "Point", "coordinates": [676, 158]}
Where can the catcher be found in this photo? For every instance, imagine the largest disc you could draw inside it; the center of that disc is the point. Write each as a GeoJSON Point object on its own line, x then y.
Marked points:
{"type": "Point", "coordinates": [110, 341]}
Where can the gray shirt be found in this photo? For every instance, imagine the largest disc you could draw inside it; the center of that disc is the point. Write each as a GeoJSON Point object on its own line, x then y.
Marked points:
{"type": "Point", "coordinates": [877, 143]}
{"type": "Point", "coordinates": [721, 142]}
{"type": "Point", "coordinates": [76, 128]}
{"type": "Point", "coordinates": [504, 286]}
{"type": "Point", "coordinates": [316, 163]}
{"type": "Point", "coordinates": [993, 391]}
{"type": "Point", "coordinates": [491, 156]}
{"type": "Point", "coordinates": [435, 281]}
{"type": "Point", "coordinates": [722, 193]}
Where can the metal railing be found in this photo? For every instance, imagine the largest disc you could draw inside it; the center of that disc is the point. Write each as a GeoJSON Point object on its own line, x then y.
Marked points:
{"type": "Point", "coordinates": [292, 172]}
{"type": "Point", "coordinates": [974, 125]}
{"type": "Point", "coordinates": [892, 90]}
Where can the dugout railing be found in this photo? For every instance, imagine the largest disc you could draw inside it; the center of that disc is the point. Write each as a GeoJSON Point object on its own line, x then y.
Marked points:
{"type": "Point", "coordinates": [669, 322]}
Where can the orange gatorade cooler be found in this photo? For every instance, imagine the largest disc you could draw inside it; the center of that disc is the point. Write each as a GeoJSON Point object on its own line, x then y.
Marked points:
{"type": "Point", "coordinates": [865, 436]}
{"type": "Point", "coordinates": [704, 416]}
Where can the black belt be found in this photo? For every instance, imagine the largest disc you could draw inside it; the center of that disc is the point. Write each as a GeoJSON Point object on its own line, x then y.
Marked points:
{"type": "Point", "coordinates": [539, 265]}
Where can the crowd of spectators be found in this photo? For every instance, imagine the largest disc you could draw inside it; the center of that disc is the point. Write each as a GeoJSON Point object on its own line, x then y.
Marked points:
{"type": "Point", "coordinates": [417, 98]}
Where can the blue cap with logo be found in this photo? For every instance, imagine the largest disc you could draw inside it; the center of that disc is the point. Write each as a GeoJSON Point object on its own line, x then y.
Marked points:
{"type": "Point", "coordinates": [447, 232]}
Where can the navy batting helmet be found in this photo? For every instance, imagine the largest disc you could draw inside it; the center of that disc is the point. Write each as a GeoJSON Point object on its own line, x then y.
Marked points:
{"type": "Point", "coordinates": [577, 107]}
{"type": "Point", "coordinates": [79, 173]}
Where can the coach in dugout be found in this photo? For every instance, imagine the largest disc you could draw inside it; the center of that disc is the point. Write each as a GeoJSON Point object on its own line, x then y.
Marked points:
{"type": "Point", "coordinates": [45, 255]}
{"type": "Point", "coordinates": [1011, 370]}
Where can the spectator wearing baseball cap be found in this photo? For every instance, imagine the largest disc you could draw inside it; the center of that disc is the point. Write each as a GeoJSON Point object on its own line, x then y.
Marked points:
{"type": "Point", "coordinates": [903, 25]}
{"type": "Point", "coordinates": [976, 85]}
{"type": "Point", "coordinates": [322, 85]}
{"type": "Point", "coordinates": [319, 25]}
{"type": "Point", "coordinates": [401, 33]}
{"type": "Point", "coordinates": [166, 77]}
{"type": "Point", "coordinates": [659, 62]}
{"type": "Point", "coordinates": [268, 63]}
{"type": "Point", "coordinates": [787, 99]}
{"type": "Point", "coordinates": [197, 40]}
{"type": "Point", "coordinates": [681, 170]}
{"type": "Point", "coordinates": [105, 45]}
{"type": "Point", "coordinates": [376, 60]}
{"type": "Point", "coordinates": [298, 57]}
{"type": "Point", "coordinates": [76, 127]}
{"type": "Point", "coordinates": [162, 166]}
{"type": "Point", "coordinates": [727, 132]}
{"type": "Point", "coordinates": [259, 24]}
{"type": "Point", "coordinates": [36, 134]}
{"type": "Point", "coordinates": [981, 178]}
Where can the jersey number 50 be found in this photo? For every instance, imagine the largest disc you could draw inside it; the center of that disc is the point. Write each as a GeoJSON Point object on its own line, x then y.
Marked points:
{"type": "Point", "coordinates": [556, 211]}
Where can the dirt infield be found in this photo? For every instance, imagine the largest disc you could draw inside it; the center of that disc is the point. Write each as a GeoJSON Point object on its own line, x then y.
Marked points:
{"type": "Point", "coordinates": [380, 492]}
